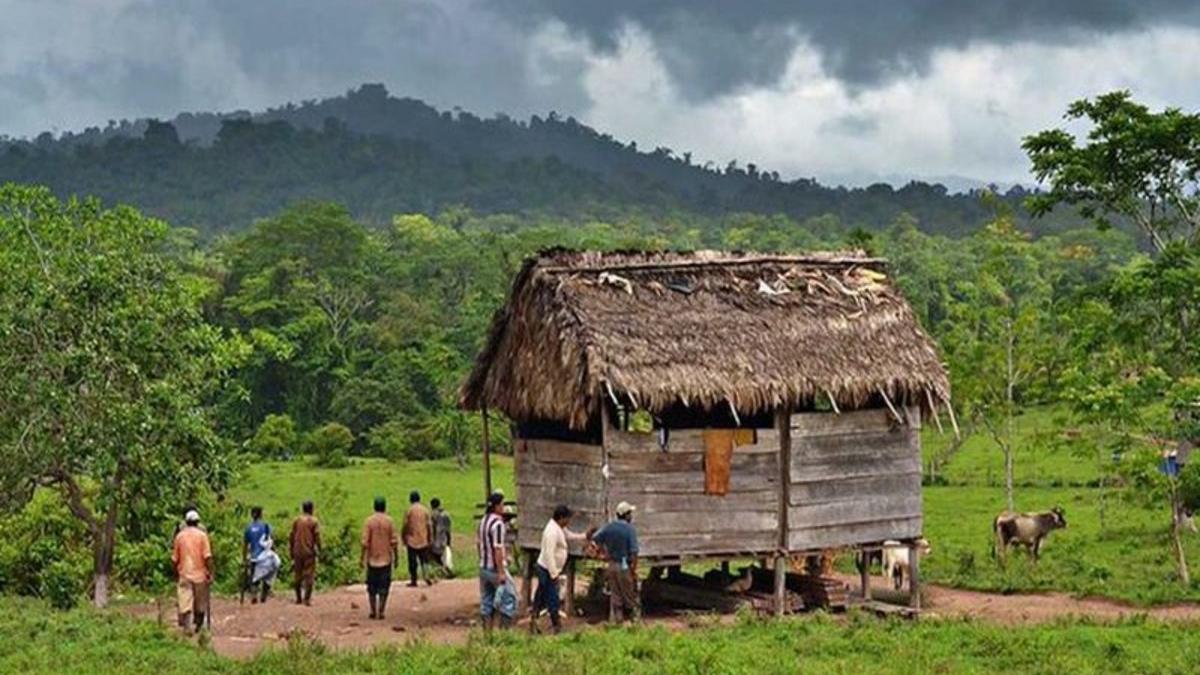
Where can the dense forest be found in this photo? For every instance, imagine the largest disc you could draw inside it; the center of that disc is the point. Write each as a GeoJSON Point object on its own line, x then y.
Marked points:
{"type": "Point", "coordinates": [382, 155]}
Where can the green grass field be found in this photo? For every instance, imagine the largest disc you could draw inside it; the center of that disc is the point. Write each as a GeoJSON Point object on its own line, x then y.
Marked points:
{"type": "Point", "coordinates": [346, 495]}
{"type": "Point", "coordinates": [39, 640]}
{"type": "Point", "coordinates": [1040, 458]}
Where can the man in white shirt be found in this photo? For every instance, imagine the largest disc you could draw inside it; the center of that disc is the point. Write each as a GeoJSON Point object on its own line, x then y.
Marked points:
{"type": "Point", "coordinates": [550, 564]}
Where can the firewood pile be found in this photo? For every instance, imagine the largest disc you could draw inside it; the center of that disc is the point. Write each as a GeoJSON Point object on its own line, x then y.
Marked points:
{"type": "Point", "coordinates": [820, 591]}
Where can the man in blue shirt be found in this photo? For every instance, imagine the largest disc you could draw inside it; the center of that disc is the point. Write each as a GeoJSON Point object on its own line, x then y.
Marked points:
{"type": "Point", "coordinates": [254, 544]}
{"type": "Point", "coordinates": [618, 540]}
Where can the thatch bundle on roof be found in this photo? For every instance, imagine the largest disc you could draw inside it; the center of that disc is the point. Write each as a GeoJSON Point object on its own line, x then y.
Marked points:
{"type": "Point", "coordinates": [751, 331]}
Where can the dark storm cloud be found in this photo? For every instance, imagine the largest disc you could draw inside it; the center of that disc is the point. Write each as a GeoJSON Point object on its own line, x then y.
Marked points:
{"type": "Point", "coordinates": [711, 47]}
{"type": "Point", "coordinates": [80, 62]}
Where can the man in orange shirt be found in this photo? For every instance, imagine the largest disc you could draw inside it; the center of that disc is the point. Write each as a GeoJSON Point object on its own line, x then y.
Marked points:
{"type": "Point", "coordinates": [380, 553]}
{"type": "Point", "coordinates": [193, 561]}
{"type": "Point", "coordinates": [418, 536]}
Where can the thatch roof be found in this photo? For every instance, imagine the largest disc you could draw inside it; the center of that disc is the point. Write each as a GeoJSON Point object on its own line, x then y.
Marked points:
{"type": "Point", "coordinates": [703, 329]}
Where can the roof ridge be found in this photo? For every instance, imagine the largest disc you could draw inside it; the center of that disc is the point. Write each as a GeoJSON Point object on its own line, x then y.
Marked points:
{"type": "Point", "coordinates": [833, 261]}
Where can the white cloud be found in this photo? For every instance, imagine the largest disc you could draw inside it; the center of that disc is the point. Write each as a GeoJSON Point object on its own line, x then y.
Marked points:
{"type": "Point", "coordinates": [964, 116]}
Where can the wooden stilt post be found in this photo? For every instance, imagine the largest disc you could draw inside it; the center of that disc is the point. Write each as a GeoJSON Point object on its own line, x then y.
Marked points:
{"type": "Point", "coordinates": [780, 584]}
{"type": "Point", "coordinates": [914, 579]}
{"type": "Point", "coordinates": [569, 601]}
{"type": "Point", "coordinates": [783, 424]}
{"type": "Point", "coordinates": [527, 582]}
{"type": "Point", "coordinates": [865, 574]}
{"type": "Point", "coordinates": [487, 455]}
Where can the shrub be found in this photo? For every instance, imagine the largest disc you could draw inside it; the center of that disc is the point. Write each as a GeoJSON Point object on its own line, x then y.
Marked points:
{"type": "Point", "coordinates": [61, 584]}
{"type": "Point", "coordinates": [275, 439]}
{"type": "Point", "coordinates": [44, 551]}
{"type": "Point", "coordinates": [1189, 486]}
{"type": "Point", "coordinates": [329, 445]}
{"type": "Point", "coordinates": [396, 441]}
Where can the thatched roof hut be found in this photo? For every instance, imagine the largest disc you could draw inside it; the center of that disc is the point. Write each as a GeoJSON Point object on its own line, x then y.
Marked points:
{"type": "Point", "coordinates": [786, 395]}
{"type": "Point", "coordinates": [705, 329]}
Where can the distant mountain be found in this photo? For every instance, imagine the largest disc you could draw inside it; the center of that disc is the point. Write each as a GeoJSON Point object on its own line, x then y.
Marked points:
{"type": "Point", "coordinates": [382, 155]}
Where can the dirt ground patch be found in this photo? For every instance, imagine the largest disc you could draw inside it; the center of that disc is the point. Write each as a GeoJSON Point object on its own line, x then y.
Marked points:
{"type": "Point", "coordinates": [443, 613]}
{"type": "Point", "coordinates": [1040, 608]}
{"type": "Point", "coordinates": [447, 612]}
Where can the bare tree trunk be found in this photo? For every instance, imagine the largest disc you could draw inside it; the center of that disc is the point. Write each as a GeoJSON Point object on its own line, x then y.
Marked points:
{"type": "Point", "coordinates": [104, 548]}
{"type": "Point", "coordinates": [1010, 382]}
{"type": "Point", "coordinates": [1177, 541]}
{"type": "Point", "coordinates": [103, 560]}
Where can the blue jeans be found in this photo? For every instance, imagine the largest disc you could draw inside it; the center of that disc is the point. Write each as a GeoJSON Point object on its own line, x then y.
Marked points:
{"type": "Point", "coordinates": [547, 595]}
{"type": "Point", "coordinates": [496, 593]}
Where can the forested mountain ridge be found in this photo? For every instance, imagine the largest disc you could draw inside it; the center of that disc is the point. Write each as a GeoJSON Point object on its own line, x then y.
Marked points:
{"type": "Point", "coordinates": [381, 155]}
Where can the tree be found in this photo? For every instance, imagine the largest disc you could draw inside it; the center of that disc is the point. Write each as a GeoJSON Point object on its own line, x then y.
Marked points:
{"type": "Point", "coordinates": [1141, 166]}
{"type": "Point", "coordinates": [108, 366]}
{"type": "Point", "coordinates": [997, 318]}
{"type": "Point", "coordinates": [1137, 164]}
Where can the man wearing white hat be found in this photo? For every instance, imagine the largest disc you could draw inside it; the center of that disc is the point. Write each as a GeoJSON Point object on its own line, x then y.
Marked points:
{"type": "Point", "coordinates": [619, 542]}
{"type": "Point", "coordinates": [193, 562]}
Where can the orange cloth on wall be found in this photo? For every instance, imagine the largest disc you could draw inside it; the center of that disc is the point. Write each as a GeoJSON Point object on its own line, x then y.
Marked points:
{"type": "Point", "coordinates": [718, 455]}
{"type": "Point", "coordinates": [744, 437]}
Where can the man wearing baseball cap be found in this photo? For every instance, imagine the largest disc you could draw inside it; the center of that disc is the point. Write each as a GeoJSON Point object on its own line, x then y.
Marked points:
{"type": "Point", "coordinates": [193, 562]}
{"type": "Point", "coordinates": [618, 539]}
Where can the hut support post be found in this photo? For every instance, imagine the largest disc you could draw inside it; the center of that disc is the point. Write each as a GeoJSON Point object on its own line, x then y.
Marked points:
{"type": "Point", "coordinates": [783, 424]}
{"type": "Point", "coordinates": [864, 574]}
{"type": "Point", "coordinates": [569, 601]}
{"type": "Point", "coordinates": [914, 579]}
{"type": "Point", "coordinates": [527, 583]}
{"type": "Point", "coordinates": [780, 584]}
{"type": "Point", "coordinates": [487, 455]}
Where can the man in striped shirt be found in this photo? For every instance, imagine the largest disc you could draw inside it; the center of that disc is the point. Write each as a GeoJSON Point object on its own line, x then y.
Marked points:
{"type": "Point", "coordinates": [497, 592]}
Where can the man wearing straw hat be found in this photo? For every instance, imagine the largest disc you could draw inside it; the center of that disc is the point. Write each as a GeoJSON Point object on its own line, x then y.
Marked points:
{"type": "Point", "coordinates": [618, 540]}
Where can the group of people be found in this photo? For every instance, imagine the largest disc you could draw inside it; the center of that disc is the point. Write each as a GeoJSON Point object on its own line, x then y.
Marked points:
{"type": "Point", "coordinates": [616, 542]}
{"type": "Point", "coordinates": [425, 532]}
{"type": "Point", "coordinates": [426, 536]}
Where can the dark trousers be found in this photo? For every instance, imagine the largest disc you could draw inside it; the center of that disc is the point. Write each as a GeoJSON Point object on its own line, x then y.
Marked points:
{"type": "Point", "coordinates": [418, 558]}
{"type": "Point", "coordinates": [379, 580]}
{"type": "Point", "coordinates": [546, 596]}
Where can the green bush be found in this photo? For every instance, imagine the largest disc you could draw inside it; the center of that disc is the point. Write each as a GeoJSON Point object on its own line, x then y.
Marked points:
{"type": "Point", "coordinates": [396, 441]}
{"type": "Point", "coordinates": [329, 445]}
{"type": "Point", "coordinates": [1189, 485]}
{"type": "Point", "coordinates": [61, 584]}
{"type": "Point", "coordinates": [275, 439]}
{"type": "Point", "coordinates": [44, 551]}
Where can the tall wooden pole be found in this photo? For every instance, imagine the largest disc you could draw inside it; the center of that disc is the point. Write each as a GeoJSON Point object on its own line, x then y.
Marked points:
{"type": "Point", "coordinates": [487, 455]}
{"type": "Point", "coordinates": [783, 423]}
{"type": "Point", "coordinates": [914, 576]}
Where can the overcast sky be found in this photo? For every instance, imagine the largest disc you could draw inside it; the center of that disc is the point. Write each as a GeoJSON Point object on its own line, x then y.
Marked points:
{"type": "Point", "coordinates": [839, 90]}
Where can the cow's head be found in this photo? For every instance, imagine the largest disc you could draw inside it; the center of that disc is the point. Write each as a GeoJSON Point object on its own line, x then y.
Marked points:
{"type": "Point", "coordinates": [1060, 518]}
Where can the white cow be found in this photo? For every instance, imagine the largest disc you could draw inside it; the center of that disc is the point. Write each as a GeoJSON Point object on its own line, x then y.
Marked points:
{"type": "Point", "coordinates": [896, 562]}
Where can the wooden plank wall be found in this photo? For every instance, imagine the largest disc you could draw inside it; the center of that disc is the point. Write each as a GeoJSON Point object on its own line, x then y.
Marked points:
{"type": "Point", "coordinates": [674, 516]}
{"type": "Point", "coordinates": [549, 473]}
{"type": "Point", "coordinates": [855, 479]}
